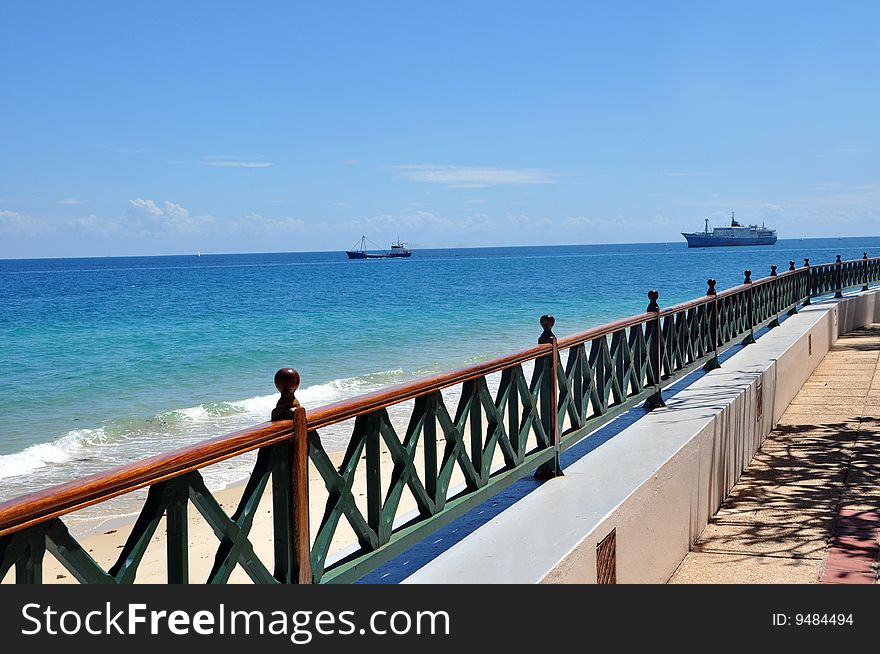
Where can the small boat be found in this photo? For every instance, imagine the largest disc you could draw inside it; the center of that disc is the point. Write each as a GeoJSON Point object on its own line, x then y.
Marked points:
{"type": "Point", "coordinates": [736, 234]}
{"type": "Point", "coordinates": [398, 250]}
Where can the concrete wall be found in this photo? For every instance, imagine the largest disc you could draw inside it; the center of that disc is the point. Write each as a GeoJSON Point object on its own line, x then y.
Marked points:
{"type": "Point", "coordinates": [660, 480]}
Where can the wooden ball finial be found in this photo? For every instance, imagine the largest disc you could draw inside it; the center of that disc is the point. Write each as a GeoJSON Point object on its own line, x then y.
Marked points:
{"type": "Point", "coordinates": [652, 301]}
{"type": "Point", "coordinates": [287, 382]}
{"type": "Point", "coordinates": [547, 322]}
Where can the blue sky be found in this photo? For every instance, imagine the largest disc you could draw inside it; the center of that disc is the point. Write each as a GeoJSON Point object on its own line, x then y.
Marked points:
{"type": "Point", "coordinates": [170, 127]}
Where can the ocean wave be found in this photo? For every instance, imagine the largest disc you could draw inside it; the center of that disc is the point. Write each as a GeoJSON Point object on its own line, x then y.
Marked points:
{"type": "Point", "coordinates": [164, 431]}
{"type": "Point", "coordinates": [199, 413]}
{"type": "Point", "coordinates": [61, 450]}
{"type": "Point", "coordinates": [340, 389]}
{"type": "Point", "coordinates": [260, 406]}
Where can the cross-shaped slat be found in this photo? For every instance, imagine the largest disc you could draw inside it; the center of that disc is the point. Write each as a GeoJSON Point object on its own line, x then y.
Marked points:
{"type": "Point", "coordinates": [158, 498]}
{"type": "Point", "coordinates": [667, 349]}
{"type": "Point", "coordinates": [600, 373]}
{"type": "Point", "coordinates": [529, 424]}
{"type": "Point", "coordinates": [340, 501]}
{"type": "Point", "coordinates": [572, 394]}
{"type": "Point", "coordinates": [228, 530]}
{"type": "Point", "coordinates": [72, 556]}
{"type": "Point", "coordinates": [620, 361]}
{"type": "Point", "coordinates": [638, 368]}
{"type": "Point", "coordinates": [455, 452]}
{"type": "Point", "coordinates": [496, 432]}
{"type": "Point", "coordinates": [234, 545]}
{"type": "Point", "coordinates": [404, 473]}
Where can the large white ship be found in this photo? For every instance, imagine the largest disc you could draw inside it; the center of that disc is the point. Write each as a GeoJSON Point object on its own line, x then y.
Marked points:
{"type": "Point", "coordinates": [736, 234]}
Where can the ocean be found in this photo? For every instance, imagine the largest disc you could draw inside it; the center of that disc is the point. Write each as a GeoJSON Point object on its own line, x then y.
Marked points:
{"type": "Point", "coordinates": [107, 360]}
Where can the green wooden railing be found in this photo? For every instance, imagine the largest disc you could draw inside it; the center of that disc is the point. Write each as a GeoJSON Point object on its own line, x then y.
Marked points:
{"type": "Point", "coordinates": [461, 443]}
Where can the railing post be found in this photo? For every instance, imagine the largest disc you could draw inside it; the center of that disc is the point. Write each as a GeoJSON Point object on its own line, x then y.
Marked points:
{"type": "Point", "coordinates": [838, 280]}
{"type": "Point", "coordinates": [748, 340]}
{"type": "Point", "coordinates": [775, 287]}
{"type": "Point", "coordinates": [29, 568]}
{"type": "Point", "coordinates": [713, 363]}
{"type": "Point", "coordinates": [792, 281]}
{"type": "Point", "coordinates": [177, 533]}
{"type": "Point", "coordinates": [549, 402]}
{"type": "Point", "coordinates": [290, 487]}
{"type": "Point", "coordinates": [809, 291]}
{"type": "Point", "coordinates": [656, 346]}
{"type": "Point", "coordinates": [865, 270]}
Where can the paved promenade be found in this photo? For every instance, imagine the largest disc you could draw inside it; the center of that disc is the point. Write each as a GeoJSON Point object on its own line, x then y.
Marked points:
{"type": "Point", "coordinates": [807, 508]}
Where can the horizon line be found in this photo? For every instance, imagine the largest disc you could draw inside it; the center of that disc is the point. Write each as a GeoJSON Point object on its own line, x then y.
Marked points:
{"type": "Point", "coordinates": [199, 253]}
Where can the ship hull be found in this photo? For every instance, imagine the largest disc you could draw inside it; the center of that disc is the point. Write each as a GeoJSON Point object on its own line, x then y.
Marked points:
{"type": "Point", "coordinates": [704, 241]}
{"type": "Point", "coordinates": [367, 255]}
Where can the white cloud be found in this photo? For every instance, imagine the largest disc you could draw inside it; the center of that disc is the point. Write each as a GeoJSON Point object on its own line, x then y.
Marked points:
{"type": "Point", "coordinates": [96, 225]}
{"type": "Point", "coordinates": [16, 224]}
{"type": "Point", "coordinates": [69, 201]}
{"type": "Point", "coordinates": [474, 177]}
{"type": "Point", "coordinates": [415, 221]}
{"type": "Point", "coordinates": [170, 217]}
{"type": "Point", "coordinates": [577, 222]}
{"type": "Point", "coordinates": [145, 207]}
{"type": "Point", "coordinates": [258, 224]}
{"type": "Point", "coordinates": [175, 211]}
{"type": "Point", "coordinates": [226, 161]}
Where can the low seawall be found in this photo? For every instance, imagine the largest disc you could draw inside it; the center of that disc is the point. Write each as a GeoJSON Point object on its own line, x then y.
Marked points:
{"type": "Point", "coordinates": [648, 492]}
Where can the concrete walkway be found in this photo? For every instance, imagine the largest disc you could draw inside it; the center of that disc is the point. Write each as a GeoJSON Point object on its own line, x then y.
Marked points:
{"type": "Point", "coordinates": [807, 508]}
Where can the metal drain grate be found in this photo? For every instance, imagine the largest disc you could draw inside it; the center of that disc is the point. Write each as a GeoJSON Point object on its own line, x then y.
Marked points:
{"type": "Point", "coordinates": [606, 559]}
{"type": "Point", "coordinates": [759, 401]}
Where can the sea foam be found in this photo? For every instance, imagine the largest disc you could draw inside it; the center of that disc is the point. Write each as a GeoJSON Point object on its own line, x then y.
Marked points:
{"type": "Point", "coordinates": [56, 452]}
{"type": "Point", "coordinates": [130, 440]}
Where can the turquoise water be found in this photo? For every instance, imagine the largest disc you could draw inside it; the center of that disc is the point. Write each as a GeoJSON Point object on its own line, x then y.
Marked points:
{"type": "Point", "coordinates": [108, 360]}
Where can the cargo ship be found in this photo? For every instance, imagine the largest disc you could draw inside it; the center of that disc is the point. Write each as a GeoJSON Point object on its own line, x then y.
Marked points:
{"type": "Point", "coordinates": [736, 234]}
{"type": "Point", "coordinates": [398, 250]}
